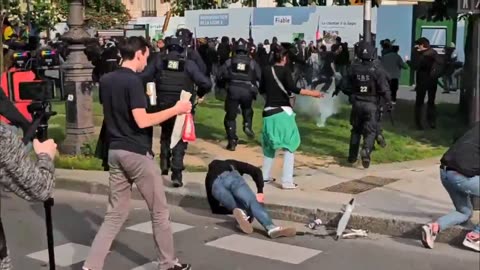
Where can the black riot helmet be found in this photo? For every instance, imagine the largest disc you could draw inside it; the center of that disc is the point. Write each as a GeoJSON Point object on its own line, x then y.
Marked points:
{"type": "Point", "coordinates": [241, 47]}
{"type": "Point", "coordinates": [185, 36]}
{"type": "Point", "coordinates": [174, 44]}
{"type": "Point", "coordinates": [365, 51]}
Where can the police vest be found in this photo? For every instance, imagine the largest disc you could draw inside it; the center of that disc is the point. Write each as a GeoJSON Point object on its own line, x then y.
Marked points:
{"type": "Point", "coordinates": [241, 69]}
{"type": "Point", "coordinates": [173, 78]}
{"type": "Point", "coordinates": [363, 83]}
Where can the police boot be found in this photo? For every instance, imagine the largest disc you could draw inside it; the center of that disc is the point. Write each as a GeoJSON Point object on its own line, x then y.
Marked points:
{"type": "Point", "coordinates": [177, 179]}
{"type": "Point", "coordinates": [381, 140]}
{"type": "Point", "coordinates": [247, 128]}
{"type": "Point", "coordinates": [232, 145]}
{"type": "Point", "coordinates": [230, 128]}
{"type": "Point", "coordinates": [418, 118]}
{"type": "Point", "coordinates": [365, 155]}
{"type": "Point", "coordinates": [164, 165]}
{"type": "Point", "coordinates": [354, 146]}
{"type": "Point", "coordinates": [247, 122]}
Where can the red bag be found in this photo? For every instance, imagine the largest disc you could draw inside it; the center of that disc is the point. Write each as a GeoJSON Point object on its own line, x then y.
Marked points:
{"type": "Point", "coordinates": [189, 129]}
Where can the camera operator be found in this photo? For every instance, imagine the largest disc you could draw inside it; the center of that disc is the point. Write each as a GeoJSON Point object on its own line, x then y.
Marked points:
{"type": "Point", "coordinates": [130, 156]}
{"type": "Point", "coordinates": [20, 174]}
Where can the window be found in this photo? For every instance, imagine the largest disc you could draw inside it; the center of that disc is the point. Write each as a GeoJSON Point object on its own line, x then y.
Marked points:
{"type": "Point", "coordinates": [149, 8]}
{"type": "Point", "coordinates": [437, 35]}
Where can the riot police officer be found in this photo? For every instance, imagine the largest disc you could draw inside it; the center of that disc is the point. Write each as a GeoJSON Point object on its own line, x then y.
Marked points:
{"type": "Point", "coordinates": [173, 73]}
{"type": "Point", "coordinates": [243, 75]}
{"type": "Point", "coordinates": [186, 40]}
{"type": "Point", "coordinates": [365, 83]}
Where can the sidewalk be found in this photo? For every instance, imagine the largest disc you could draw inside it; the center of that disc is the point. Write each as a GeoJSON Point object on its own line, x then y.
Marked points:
{"type": "Point", "coordinates": [412, 196]}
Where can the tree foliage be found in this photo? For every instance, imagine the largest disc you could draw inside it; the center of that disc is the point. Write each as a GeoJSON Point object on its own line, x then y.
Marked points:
{"type": "Point", "coordinates": [180, 6]}
{"type": "Point", "coordinates": [102, 14]}
{"type": "Point", "coordinates": [45, 14]}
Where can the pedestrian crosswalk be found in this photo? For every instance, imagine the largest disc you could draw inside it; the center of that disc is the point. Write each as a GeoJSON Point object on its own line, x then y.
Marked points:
{"type": "Point", "coordinates": [65, 255]}
{"type": "Point", "coordinates": [72, 253]}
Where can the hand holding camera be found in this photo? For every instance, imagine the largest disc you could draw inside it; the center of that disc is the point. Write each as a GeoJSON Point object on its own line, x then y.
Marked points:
{"type": "Point", "coordinates": [48, 147]}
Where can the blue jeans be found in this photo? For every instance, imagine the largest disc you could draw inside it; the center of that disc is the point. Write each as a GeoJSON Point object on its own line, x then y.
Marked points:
{"type": "Point", "coordinates": [460, 188]}
{"type": "Point", "coordinates": [231, 190]}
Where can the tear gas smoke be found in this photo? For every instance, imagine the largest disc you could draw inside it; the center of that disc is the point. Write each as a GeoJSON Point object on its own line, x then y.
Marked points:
{"type": "Point", "coordinates": [320, 109]}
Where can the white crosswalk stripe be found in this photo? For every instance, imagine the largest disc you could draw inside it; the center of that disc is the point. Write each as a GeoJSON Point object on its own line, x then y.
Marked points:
{"type": "Point", "coordinates": [263, 248]}
{"type": "Point", "coordinates": [72, 253]}
{"type": "Point", "coordinates": [148, 266]}
{"type": "Point", "coordinates": [65, 255]}
{"type": "Point", "coordinates": [147, 227]}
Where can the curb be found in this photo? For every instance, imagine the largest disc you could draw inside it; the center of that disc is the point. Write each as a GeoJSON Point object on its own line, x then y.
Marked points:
{"type": "Point", "coordinates": [183, 198]}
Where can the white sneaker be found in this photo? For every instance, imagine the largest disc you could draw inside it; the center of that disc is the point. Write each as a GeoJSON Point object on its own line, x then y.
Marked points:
{"type": "Point", "coordinates": [289, 186]}
{"type": "Point", "coordinates": [243, 220]}
{"type": "Point", "coordinates": [282, 232]}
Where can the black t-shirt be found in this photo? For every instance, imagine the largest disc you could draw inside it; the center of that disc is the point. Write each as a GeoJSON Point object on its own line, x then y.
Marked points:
{"type": "Point", "coordinates": [275, 97]}
{"type": "Point", "coordinates": [328, 58]}
{"type": "Point", "coordinates": [123, 91]}
{"type": "Point", "coordinates": [464, 155]}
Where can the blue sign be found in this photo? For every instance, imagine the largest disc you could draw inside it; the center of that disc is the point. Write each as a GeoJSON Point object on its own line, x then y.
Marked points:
{"type": "Point", "coordinates": [213, 19]}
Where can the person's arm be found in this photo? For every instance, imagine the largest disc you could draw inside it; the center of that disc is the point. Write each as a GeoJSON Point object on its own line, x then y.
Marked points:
{"type": "Point", "coordinates": [138, 105]}
{"type": "Point", "coordinates": [290, 86]}
{"type": "Point", "coordinates": [253, 171]}
{"type": "Point", "coordinates": [155, 65]}
{"type": "Point", "coordinates": [345, 84]}
{"type": "Point", "coordinates": [19, 173]}
{"type": "Point", "coordinates": [258, 73]}
{"type": "Point", "coordinates": [384, 86]}
{"type": "Point", "coordinates": [401, 63]}
{"type": "Point", "coordinates": [203, 82]}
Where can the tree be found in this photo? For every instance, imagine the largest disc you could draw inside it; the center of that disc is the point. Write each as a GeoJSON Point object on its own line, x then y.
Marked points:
{"type": "Point", "coordinates": [180, 6]}
{"type": "Point", "coordinates": [45, 14]}
{"type": "Point", "coordinates": [102, 14]}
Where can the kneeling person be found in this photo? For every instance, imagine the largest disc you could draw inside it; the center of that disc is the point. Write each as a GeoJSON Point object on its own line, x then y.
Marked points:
{"type": "Point", "coordinates": [228, 193]}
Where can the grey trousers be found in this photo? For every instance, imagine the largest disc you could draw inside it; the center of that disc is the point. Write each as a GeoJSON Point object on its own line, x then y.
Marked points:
{"type": "Point", "coordinates": [127, 168]}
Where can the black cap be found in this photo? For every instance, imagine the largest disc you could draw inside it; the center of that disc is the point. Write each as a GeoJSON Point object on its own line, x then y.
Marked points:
{"type": "Point", "coordinates": [365, 51]}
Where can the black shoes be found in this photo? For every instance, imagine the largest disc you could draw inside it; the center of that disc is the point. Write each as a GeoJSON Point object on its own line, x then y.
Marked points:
{"type": "Point", "coordinates": [249, 132]}
{"type": "Point", "coordinates": [181, 267]}
{"type": "Point", "coordinates": [365, 158]}
{"type": "Point", "coordinates": [177, 179]}
{"type": "Point", "coordinates": [232, 145]}
{"type": "Point", "coordinates": [381, 141]}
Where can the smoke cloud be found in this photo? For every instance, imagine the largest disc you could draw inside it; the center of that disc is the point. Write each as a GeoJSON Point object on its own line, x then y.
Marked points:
{"type": "Point", "coordinates": [321, 109]}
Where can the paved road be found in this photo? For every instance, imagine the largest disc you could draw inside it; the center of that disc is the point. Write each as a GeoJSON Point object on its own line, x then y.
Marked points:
{"type": "Point", "coordinates": [208, 242]}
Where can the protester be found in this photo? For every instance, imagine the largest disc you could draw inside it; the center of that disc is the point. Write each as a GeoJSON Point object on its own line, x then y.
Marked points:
{"type": "Point", "coordinates": [130, 156]}
{"type": "Point", "coordinates": [460, 175]}
{"type": "Point", "coordinates": [393, 63]}
{"type": "Point", "coordinates": [280, 130]}
{"type": "Point", "coordinates": [30, 179]}
{"type": "Point", "coordinates": [228, 192]}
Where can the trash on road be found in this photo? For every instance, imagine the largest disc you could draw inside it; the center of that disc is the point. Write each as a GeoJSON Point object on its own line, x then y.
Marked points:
{"type": "Point", "coordinates": [342, 224]}
{"type": "Point", "coordinates": [355, 234]}
{"type": "Point", "coordinates": [315, 223]}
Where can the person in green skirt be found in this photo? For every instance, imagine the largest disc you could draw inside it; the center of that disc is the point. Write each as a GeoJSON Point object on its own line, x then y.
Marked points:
{"type": "Point", "coordinates": [280, 129]}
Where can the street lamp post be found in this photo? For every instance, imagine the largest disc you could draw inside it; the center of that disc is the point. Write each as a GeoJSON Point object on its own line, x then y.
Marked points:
{"type": "Point", "coordinates": [78, 86]}
{"type": "Point", "coordinates": [367, 21]}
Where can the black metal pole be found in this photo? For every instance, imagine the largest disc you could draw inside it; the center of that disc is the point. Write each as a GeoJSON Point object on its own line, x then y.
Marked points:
{"type": "Point", "coordinates": [42, 135]}
{"type": "Point", "coordinates": [367, 21]}
{"type": "Point", "coordinates": [475, 73]}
